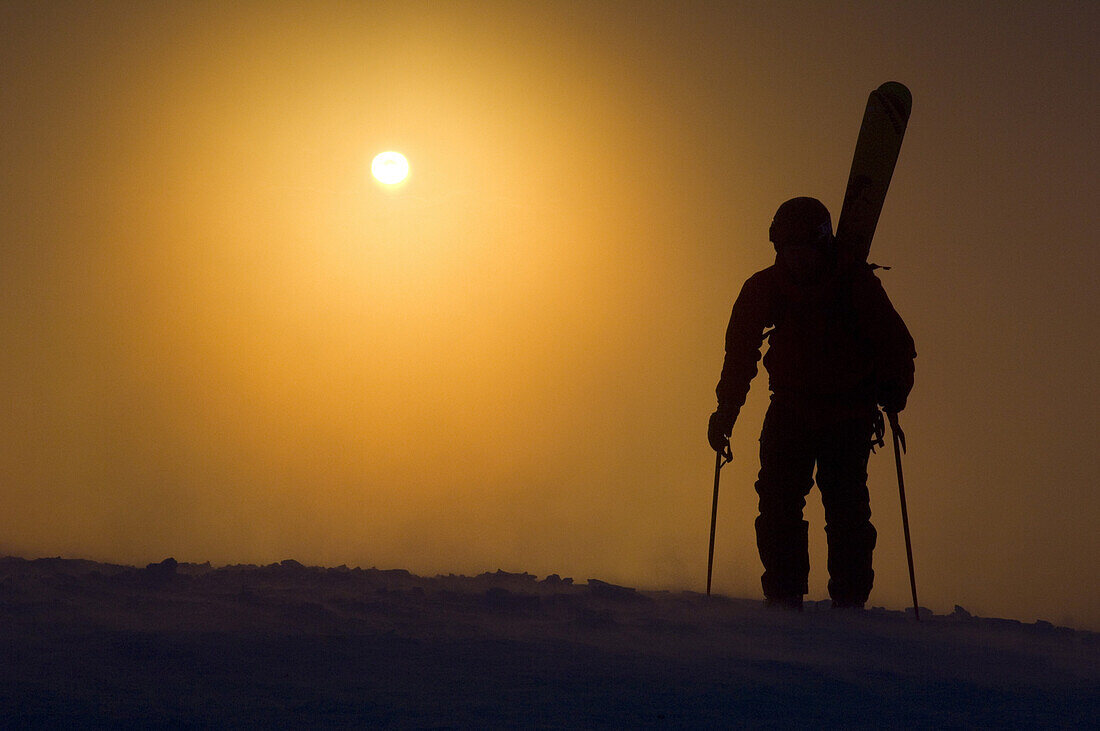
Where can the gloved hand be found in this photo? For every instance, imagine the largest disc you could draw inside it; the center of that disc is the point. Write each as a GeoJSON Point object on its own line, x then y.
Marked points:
{"type": "Point", "coordinates": [892, 396]}
{"type": "Point", "coordinates": [892, 405]}
{"type": "Point", "coordinates": [719, 430]}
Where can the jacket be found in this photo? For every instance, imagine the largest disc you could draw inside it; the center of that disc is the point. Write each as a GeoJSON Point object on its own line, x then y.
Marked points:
{"type": "Point", "coordinates": [836, 348]}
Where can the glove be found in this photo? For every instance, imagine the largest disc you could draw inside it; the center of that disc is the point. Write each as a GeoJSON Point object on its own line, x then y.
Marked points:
{"type": "Point", "coordinates": [892, 396]}
{"type": "Point", "coordinates": [719, 429]}
{"type": "Point", "coordinates": [892, 404]}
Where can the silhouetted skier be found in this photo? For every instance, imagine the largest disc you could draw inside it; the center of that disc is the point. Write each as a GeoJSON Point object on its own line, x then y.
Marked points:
{"type": "Point", "coordinates": [837, 351]}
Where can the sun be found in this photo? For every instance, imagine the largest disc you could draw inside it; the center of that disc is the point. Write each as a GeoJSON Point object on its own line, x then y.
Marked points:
{"type": "Point", "coordinates": [389, 168]}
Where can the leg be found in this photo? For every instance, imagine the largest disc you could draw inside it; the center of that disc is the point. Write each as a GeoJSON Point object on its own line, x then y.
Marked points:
{"type": "Point", "coordinates": [786, 476]}
{"type": "Point", "coordinates": [842, 479]}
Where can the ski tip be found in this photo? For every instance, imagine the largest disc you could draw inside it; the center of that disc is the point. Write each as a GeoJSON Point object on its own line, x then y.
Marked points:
{"type": "Point", "coordinates": [899, 91]}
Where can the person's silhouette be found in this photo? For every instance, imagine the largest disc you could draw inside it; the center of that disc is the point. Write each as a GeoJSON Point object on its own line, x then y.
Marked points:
{"type": "Point", "coordinates": [837, 350]}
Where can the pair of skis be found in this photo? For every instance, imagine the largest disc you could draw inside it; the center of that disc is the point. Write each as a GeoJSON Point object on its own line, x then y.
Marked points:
{"type": "Point", "coordinates": [880, 135]}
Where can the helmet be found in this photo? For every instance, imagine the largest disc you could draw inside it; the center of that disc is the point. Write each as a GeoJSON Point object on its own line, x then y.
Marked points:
{"type": "Point", "coordinates": [801, 222]}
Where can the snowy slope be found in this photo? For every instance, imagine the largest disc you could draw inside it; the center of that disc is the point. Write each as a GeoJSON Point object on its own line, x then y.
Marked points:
{"type": "Point", "coordinates": [288, 645]}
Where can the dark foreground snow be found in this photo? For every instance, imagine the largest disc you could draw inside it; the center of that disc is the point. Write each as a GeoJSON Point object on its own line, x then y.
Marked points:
{"type": "Point", "coordinates": [87, 644]}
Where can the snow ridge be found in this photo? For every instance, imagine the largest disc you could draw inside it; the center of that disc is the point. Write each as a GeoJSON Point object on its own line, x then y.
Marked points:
{"type": "Point", "coordinates": [287, 644]}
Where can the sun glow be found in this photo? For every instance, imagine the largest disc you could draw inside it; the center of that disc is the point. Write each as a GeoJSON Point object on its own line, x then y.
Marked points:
{"type": "Point", "coordinates": [390, 168]}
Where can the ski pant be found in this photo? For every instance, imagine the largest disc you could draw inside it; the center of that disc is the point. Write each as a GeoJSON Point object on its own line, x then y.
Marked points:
{"type": "Point", "coordinates": [790, 446]}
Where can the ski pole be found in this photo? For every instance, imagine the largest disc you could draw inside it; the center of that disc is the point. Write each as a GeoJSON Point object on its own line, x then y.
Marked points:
{"type": "Point", "coordinates": [720, 458]}
{"type": "Point", "coordinates": [899, 439]}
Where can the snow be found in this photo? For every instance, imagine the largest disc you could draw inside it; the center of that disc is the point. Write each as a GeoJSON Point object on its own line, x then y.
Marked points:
{"type": "Point", "coordinates": [87, 643]}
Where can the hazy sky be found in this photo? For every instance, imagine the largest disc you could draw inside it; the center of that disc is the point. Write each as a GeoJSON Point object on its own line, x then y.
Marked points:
{"type": "Point", "coordinates": [223, 342]}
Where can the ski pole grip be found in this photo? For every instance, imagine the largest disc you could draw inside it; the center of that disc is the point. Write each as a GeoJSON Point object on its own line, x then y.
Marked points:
{"type": "Point", "coordinates": [896, 428]}
{"type": "Point", "coordinates": [725, 456]}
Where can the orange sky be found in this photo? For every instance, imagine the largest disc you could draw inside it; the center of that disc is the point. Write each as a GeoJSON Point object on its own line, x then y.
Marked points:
{"type": "Point", "coordinates": [223, 342]}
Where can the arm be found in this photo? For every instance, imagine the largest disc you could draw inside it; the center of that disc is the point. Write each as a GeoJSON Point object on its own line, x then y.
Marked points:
{"type": "Point", "coordinates": [744, 336]}
{"type": "Point", "coordinates": [891, 342]}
